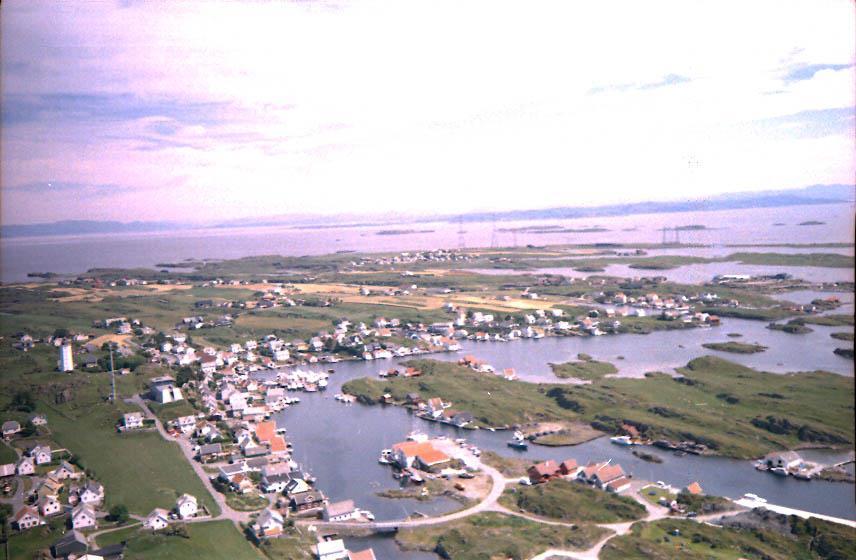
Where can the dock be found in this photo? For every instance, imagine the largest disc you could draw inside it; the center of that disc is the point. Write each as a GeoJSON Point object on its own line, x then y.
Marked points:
{"type": "Point", "coordinates": [751, 504]}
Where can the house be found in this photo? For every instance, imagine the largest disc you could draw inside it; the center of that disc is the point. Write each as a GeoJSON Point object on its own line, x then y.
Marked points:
{"type": "Point", "coordinates": [72, 544]}
{"type": "Point", "coordinates": [7, 470]}
{"type": "Point", "coordinates": [333, 549]}
{"type": "Point", "coordinates": [569, 467]}
{"type": "Point", "coordinates": [132, 420]}
{"type": "Point", "coordinates": [601, 474]}
{"type": "Point", "coordinates": [210, 452]}
{"type": "Point", "coordinates": [186, 506]}
{"type": "Point", "coordinates": [26, 518]}
{"type": "Point", "coordinates": [617, 485]}
{"type": "Point", "coordinates": [268, 524]}
{"type": "Point", "coordinates": [783, 459]}
{"type": "Point", "coordinates": [25, 466]}
{"type": "Point", "coordinates": [341, 511]}
{"type": "Point", "coordinates": [421, 453]}
{"type": "Point", "coordinates": [10, 428]}
{"type": "Point", "coordinates": [49, 505]}
{"type": "Point", "coordinates": [92, 493]}
{"type": "Point", "coordinates": [310, 500]}
{"type": "Point", "coordinates": [164, 390]}
{"type": "Point", "coordinates": [158, 519]}
{"type": "Point", "coordinates": [229, 472]}
{"type": "Point", "coordinates": [367, 554]}
{"type": "Point", "coordinates": [542, 472]}
{"type": "Point", "coordinates": [39, 420]}
{"type": "Point", "coordinates": [694, 488]}
{"type": "Point", "coordinates": [50, 486]}
{"type": "Point", "coordinates": [265, 431]}
{"type": "Point", "coordinates": [83, 517]}
{"type": "Point", "coordinates": [185, 424]}
{"type": "Point", "coordinates": [274, 482]}
{"type": "Point", "coordinates": [41, 454]}
{"type": "Point", "coordinates": [65, 471]}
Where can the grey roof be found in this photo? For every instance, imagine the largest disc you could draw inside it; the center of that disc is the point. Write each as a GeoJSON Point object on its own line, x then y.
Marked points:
{"type": "Point", "coordinates": [312, 496]}
{"type": "Point", "coordinates": [210, 449]}
{"type": "Point", "coordinates": [72, 542]}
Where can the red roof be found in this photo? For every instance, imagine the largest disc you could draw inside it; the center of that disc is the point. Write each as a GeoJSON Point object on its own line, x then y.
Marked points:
{"type": "Point", "coordinates": [609, 473]}
{"type": "Point", "coordinates": [694, 488]}
{"type": "Point", "coordinates": [367, 554]}
{"type": "Point", "coordinates": [547, 468]}
{"type": "Point", "coordinates": [265, 431]}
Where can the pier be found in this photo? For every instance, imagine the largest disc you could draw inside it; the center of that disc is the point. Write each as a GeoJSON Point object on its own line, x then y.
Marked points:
{"type": "Point", "coordinates": [751, 504]}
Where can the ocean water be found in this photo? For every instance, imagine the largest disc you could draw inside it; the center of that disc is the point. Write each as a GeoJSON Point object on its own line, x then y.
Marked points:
{"type": "Point", "coordinates": [76, 254]}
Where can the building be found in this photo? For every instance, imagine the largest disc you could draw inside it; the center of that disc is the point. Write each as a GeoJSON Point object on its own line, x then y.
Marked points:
{"type": "Point", "coordinates": [158, 519]}
{"type": "Point", "coordinates": [186, 506]}
{"type": "Point", "coordinates": [542, 472]}
{"type": "Point", "coordinates": [308, 501]}
{"type": "Point", "coordinates": [71, 544]}
{"type": "Point", "coordinates": [268, 524]}
{"type": "Point", "coordinates": [367, 554]}
{"type": "Point", "coordinates": [783, 459]}
{"type": "Point", "coordinates": [26, 518]}
{"type": "Point", "coordinates": [164, 390]}
{"type": "Point", "coordinates": [333, 549]}
{"type": "Point", "coordinates": [419, 453]}
{"type": "Point", "coordinates": [41, 454]}
{"type": "Point", "coordinates": [83, 517]}
{"type": "Point", "coordinates": [49, 505]}
{"type": "Point", "coordinates": [341, 511]}
{"type": "Point", "coordinates": [66, 359]}
{"type": "Point", "coordinates": [132, 420]}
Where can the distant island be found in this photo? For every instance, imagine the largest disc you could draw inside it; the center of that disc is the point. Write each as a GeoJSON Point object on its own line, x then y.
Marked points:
{"type": "Point", "coordinates": [403, 231]}
{"type": "Point", "coordinates": [811, 223]}
{"type": "Point", "coordinates": [692, 227]}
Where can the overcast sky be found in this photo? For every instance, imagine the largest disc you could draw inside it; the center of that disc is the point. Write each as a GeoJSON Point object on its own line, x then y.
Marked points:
{"type": "Point", "coordinates": [205, 111]}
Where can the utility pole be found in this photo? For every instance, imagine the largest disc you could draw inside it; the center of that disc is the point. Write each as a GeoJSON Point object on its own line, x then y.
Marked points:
{"type": "Point", "coordinates": [462, 243]}
{"type": "Point", "coordinates": [112, 376]}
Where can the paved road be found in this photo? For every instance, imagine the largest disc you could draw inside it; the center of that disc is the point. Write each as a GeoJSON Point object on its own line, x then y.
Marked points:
{"type": "Point", "coordinates": [226, 512]}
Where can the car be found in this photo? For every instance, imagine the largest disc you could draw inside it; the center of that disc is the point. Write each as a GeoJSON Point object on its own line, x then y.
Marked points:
{"type": "Point", "coordinates": [524, 480]}
{"type": "Point", "coordinates": [466, 475]}
{"type": "Point", "coordinates": [692, 514]}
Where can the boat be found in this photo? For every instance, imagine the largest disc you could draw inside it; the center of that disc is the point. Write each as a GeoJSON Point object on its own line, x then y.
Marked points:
{"type": "Point", "coordinates": [754, 498]}
{"type": "Point", "coordinates": [460, 441]}
{"type": "Point", "coordinates": [417, 436]}
{"type": "Point", "coordinates": [385, 457]}
{"type": "Point", "coordinates": [518, 441]}
{"type": "Point", "coordinates": [621, 440]}
{"type": "Point", "coordinates": [367, 514]}
{"type": "Point", "coordinates": [322, 384]}
{"type": "Point", "coordinates": [780, 471]}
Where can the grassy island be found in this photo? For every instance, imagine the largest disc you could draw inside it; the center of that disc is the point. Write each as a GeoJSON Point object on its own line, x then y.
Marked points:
{"type": "Point", "coordinates": [732, 409]}
{"type": "Point", "coordinates": [584, 368]}
{"type": "Point", "coordinates": [735, 347]}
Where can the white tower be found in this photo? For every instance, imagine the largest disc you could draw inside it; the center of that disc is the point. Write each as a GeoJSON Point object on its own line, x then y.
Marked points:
{"type": "Point", "coordinates": [66, 361]}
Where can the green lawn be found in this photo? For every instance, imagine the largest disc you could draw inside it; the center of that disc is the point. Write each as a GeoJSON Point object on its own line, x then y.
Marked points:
{"type": "Point", "coordinates": [140, 470]}
{"type": "Point", "coordinates": [493, 535]}
{"type": "Point", "coordinates": [7, 454]}
{"type": "Point", "coordinates": [213, 540]}
{"type": "Point", "coordinates": [27, 544]}
{"type": "Point", "coordinates": [170, 411]}
{"type": "Point", "coordinates": [572, 502]}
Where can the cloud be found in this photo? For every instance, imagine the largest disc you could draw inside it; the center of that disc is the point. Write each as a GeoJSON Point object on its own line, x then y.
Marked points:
{"type": "Point", "coordinates": [807, 71]}
{"type": "Point", "coordinates": [229, 109]}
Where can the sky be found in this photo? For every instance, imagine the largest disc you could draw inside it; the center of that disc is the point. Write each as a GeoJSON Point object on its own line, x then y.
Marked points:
{"type": "Point", "coordinates": [209, 111]}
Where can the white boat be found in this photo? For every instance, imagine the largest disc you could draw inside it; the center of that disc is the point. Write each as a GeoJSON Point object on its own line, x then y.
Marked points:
{"type": "Point", "coordinates": [322, 384]}
{"type": "Point", "coordinates": [780, 471]}
{"type": "Point", "coordinates": [417, 436]}
{"type": "Point", "coordinates": [754, 498]}
{"type": "Point", "coordinates": [621, 440]}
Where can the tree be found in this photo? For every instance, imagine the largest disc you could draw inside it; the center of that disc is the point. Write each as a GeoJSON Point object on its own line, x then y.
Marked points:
{"type": "Point", "coordinates": [119, 514]}
{"type": "Point", "coordinates": [184, 375]}
{"type": "Point", "coordinates": [23, 401]}
{"type": "Point", "coordinates": [61, 333]}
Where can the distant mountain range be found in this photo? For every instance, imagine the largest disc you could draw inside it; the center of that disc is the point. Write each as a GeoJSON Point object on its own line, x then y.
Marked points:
{"type": "Point", "coordinates": [816, 194]}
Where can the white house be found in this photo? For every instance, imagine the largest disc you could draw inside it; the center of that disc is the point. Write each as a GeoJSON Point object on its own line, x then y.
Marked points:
{"type": "Point", "coordinates": [341, 511]}
{"type": "Point", "coordinates": [132, 420]}
{"type": "Point", "coordinates": [64, 471]}
{"type": "Point", "coordinates": [333, 549]}
{"type": "Point", "coordinates": [25, 466]}
{"type": "Point", "coordinates": [783, 459]}
{"type": "Point", "coordinates": [185, 423]}
{"type": "Point", "coordinates": [83, 517]}
{"type": "Point", "coordinates": [92, 493]}
{"type": "Point", "coordinates": [41, 454]}
{"type": "Point", "coordinates": [158, 519]}
{"type": "Point", "coordinates": [49, 505]}
{"type": "Point", "coordinates": [268, 524]}
{"type": "Point", "coordinates": [26, 518]}
{"type": "Point", "coordinates": [186, 506]}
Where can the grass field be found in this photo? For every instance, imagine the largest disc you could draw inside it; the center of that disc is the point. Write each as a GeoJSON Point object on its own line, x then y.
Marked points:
{"type": "Point", "coordinates": [140, 470]}
{"type": "Point", "coordinates": [7, 454]}
{"type": "Point", "coordinates": [674, 538]}
{"type": "Point", "coordinates": [572, 502]}
{"type": "Point", "coordinates": [211, 540]}
{"type": "Point", "coordinates": [492, 535]}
